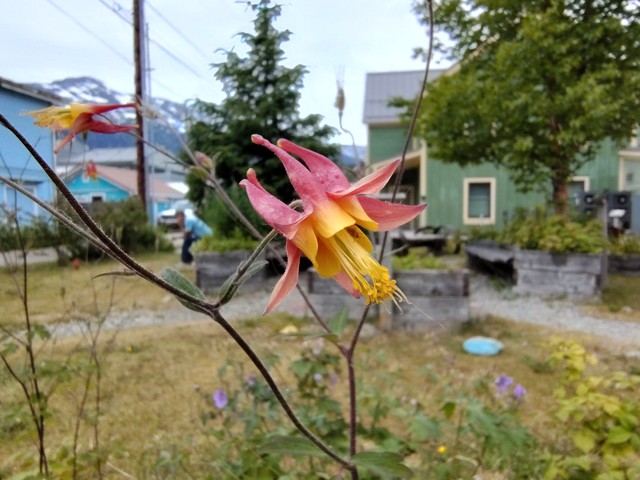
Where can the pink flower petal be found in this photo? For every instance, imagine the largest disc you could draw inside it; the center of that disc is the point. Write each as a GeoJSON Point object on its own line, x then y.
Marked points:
{"type": "Point", "coordinates": [389, 215]}
{"type": "Point", "coordinates": [98, 108]}
{"type": "Point", "coordinates": [86, 123]}
{"type": "Point", "coordinates": [328, 217]}
{"type": "Point", "coordinates": [279, 215]}
{"type": "Point", "coordinates": [324, 170]}
{"type": "Point", "coordinates": [372, 183]}
{"type": "Point", "coordinates": [289, 279]}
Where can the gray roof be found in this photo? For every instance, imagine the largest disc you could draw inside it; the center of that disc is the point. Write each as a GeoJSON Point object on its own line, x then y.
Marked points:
{"type": "Point", "coordinates": [30, 91]}
{"type": "Point", "coordinates": [381, 87]}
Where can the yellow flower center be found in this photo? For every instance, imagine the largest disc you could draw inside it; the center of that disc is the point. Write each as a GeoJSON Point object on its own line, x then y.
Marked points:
{"type": "Point", "coordinates": [353, 251]}
{"type": "Point", "coordinates": [54, 117]}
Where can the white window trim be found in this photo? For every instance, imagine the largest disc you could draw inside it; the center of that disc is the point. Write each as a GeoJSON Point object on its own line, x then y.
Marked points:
{"type": "Point", "coordinates": [491, 220]}
{"type": "Point", "coordinates": [586, 181]}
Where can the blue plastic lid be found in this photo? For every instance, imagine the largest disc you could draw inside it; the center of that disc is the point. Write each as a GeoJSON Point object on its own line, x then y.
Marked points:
{"type": "Point", "coordinates": [482, 346]}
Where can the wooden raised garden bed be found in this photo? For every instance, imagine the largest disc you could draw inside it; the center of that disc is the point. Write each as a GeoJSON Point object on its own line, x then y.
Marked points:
{"type": "Point", "coordinates": [438, 299]}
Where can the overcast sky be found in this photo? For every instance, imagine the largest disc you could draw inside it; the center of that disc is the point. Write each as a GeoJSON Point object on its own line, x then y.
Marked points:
{"type": "Point", "coordinates": [47, 40]}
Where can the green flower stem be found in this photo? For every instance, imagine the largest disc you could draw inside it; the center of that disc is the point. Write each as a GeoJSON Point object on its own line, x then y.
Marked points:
{"type": "Point", "coordinates": [349, 352]}
{"type": "Point", "coordinates": [242, 269]}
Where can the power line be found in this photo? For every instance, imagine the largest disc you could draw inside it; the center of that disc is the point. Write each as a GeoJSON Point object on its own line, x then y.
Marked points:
{"type": "Point", "coordinates": [89, 31]}
{"type": "Point", "coordinates": [117, 9]}
{"type": "Point", "coordinates": [126, 16]}
{"type": "Point", "coordinates": [175, 29]}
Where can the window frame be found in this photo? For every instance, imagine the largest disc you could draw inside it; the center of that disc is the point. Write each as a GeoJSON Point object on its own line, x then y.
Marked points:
{"type": "Point", "coordinates": [467, 182]}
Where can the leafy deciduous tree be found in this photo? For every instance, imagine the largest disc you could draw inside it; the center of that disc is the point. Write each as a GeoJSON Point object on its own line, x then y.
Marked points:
{"type": "Point", "coordinates": [540, 84]}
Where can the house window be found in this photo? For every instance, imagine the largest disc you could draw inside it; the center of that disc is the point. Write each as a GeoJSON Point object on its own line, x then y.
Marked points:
{"type": "Point", "coordinates": [479, 201]}
{"type": "Point", "coordinates": [577, 186]}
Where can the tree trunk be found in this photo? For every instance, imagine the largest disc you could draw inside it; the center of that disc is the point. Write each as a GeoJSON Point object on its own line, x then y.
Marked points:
{"type": "Point", "coordinates": [560, 194]}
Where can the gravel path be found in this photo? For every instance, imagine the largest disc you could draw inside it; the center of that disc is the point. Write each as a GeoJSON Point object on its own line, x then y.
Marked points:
{"type": "Point", "coordinates": [563, 313]}
{"type": "Point", "coordinates": [485, 300]}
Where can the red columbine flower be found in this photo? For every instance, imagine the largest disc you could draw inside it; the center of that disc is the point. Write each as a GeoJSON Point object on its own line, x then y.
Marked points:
{"type": "Point", "coordinates": [327, 231]}
{"type": "Point", "coordinates": [91, 170]}
{"type": "Point", "coordinates": [79, 118]}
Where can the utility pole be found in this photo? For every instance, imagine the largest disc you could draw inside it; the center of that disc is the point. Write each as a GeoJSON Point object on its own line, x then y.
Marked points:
{"type": "Point", "coordinates": [140, 65]}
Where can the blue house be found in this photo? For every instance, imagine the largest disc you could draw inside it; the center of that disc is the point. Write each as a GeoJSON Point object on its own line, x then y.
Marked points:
{"type": "Point", "coordinates": [15, 162]}
{"type": "Point", "coordinates": [114, 184]}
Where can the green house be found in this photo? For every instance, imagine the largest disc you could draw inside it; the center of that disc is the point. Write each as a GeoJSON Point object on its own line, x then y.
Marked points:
{"type": "Point", "coordinates": [478, 195]}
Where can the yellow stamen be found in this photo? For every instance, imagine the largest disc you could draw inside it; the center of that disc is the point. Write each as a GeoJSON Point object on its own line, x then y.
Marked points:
{"type": "Point", "coordinates": [368, 277]}
{"type": "Point", "coordinates": [58, 118]}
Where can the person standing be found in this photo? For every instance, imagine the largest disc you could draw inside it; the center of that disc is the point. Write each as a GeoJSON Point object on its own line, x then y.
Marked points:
{"type": "Point", "coordinates": [193, 229]}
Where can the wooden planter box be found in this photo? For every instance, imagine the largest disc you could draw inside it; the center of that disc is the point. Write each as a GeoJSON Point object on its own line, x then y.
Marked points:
{"type": "Point", "coordinates": [625, 264]}
{"type": "Point", "coordinates": [214, 268]}
{"type": "Point", "coordinates": [439, 299]}
{"type": "Point", "coordinates": [572, 274]}
{"type": "Point", "coordinates": [329, 298]}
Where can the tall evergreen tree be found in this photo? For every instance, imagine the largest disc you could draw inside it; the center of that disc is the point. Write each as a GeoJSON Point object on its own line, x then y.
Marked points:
{"type": "Point", "coordinates": [262, 96]}
{"type": "Point", "coordinates": [541, 84]}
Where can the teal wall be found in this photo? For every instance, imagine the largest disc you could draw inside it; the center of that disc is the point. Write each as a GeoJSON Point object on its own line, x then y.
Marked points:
{"type": "Point", "coordinates": [386, 142]}
{"type": "Point", "coordinates": [83, 187]}
{"type": "Point", "coordinates": [16, 163]}
{"type": "Point", "coordinates": [445, 182]}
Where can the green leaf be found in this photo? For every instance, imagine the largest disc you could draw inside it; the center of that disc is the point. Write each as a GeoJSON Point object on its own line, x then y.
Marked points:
{"type": "Point", "coordinates": [423, 428]}
{"type": "Point", "coordinates": [41, 331]}
{"type": "Point", "coordinates": [448, 409]}
{"type": "Point", "coordinates": [387, 465]}
{"type": "Point", "coordinates": [9, 348]}
{"type": "Point", "coordinates": [179, 281]}
{"type": "Point", "coordinates": [288, 445]}
{"type": "Point", "coordinates": [338, 322]}
{"type": "Point", "coordinates": [584, 441]}
{"type": "Point", "coordinates": [227, 291]}
{"type": "Point", "coordinates": [618, 434]}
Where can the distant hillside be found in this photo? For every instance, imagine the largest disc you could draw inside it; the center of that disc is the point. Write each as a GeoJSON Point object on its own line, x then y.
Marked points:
{"type": "Point", "coordinates": [91, 90]}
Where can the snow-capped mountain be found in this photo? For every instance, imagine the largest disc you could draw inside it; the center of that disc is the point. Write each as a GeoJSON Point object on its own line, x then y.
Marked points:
{"type": "Point", "coordinates": [91, 90]}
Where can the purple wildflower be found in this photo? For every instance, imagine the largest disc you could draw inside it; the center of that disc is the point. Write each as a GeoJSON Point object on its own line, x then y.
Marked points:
{"type": "Point", "coordinates": [251, 381]}
{"type": "Point", "coordinates": [503, 382]}
{"type": "Point", "coordinates": [519, 392]}
{"type": "Point", "coordinates": [317, 377]}
{"type": "Point", "coordinates": [220, 398]}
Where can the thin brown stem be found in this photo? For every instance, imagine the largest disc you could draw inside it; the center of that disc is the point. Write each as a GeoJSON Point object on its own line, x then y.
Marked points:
{"type": "Point", "coordinates": [201, 305]}
{"type": "Point", "coordinates": [350, 352]}
{"type": "Point", "coordinates": [246, 348]}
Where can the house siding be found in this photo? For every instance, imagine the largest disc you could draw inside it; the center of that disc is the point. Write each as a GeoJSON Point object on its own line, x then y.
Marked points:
{"type": "Point", "coordinates": [17, 164]}
{"type": "Point", "coordinates": [83, 188]}
{"type": "Point", "coordinates": [386, 142]}
{"type": "Point", "coordinates": [445, 181]}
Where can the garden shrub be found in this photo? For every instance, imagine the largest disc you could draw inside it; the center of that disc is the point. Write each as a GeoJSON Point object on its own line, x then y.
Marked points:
{"type": "Point", "coordinates": [39, 233]}
{"type": "Point", "coordinates": [213, 243]}
{"type": "Point", "coordinates": [555, 234]}
{"type": "Point", "coordinates": [625, 245]}
{"type": "Point", "coordinates": [224, 223]}
{"type": "Point", "coordinates": [125, 222]}
{"type": "Point", "coordinates": [600, 414]}
{"type": "Point", "coordinates": [418, 259]}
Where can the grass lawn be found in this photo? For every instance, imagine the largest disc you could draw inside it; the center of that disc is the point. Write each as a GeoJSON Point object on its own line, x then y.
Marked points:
{"type": "Point", "coordinates": [620, 298]}
{"type": "Point", "coordinates": [157, 382]}
{"type": "Point", "coordinates": [58, 294]}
